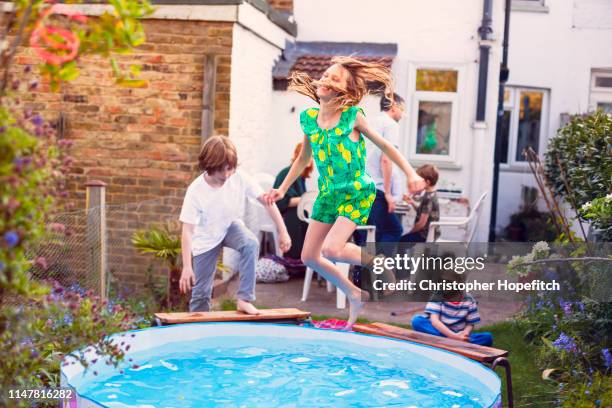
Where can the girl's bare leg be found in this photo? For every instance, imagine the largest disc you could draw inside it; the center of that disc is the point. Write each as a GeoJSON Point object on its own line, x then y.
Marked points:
{"type": "Point", "coordinates": [324, 241]}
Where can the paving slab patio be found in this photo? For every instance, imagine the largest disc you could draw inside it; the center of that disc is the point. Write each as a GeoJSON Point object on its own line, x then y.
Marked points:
{"type": "Point", "coordinates": [321, 302]}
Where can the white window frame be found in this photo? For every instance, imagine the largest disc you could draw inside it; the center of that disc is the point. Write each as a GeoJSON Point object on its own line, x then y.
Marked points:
{"type": "Point", "coordinates": [513, 105]}
{"type": "Point", "coordinates": [409, 145]}
{"type": "Point", "coordinates": [599, 94]}
{"type": "Point", "coordinates": [530, 5]}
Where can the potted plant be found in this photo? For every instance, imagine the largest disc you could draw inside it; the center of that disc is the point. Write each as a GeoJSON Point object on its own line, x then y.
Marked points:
{"type": "Point", "coordinates": [165, 244]}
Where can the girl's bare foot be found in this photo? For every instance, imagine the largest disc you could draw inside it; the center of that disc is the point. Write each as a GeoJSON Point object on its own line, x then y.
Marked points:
{"type": "Point", "coordinates": [356, 305]}
{"type": "Point", "coordinates": [246, 307]}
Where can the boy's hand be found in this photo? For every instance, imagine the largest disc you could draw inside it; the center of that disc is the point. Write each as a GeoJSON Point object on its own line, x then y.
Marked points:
{"type": "Point", "coordinates": [284, 241]}
{"type": "Point", "coordinates": [461, 336]}
{"type": "Point", "coordinates": [273, 195]}
{"type": "Point", "coordinates": [390, 202]}
{"type": "Point", "coordinates": [187, 280]}
{"type": "Point", "coordinates": [408, 200]}
{"type": "Point", "coordinates": [416, 183]}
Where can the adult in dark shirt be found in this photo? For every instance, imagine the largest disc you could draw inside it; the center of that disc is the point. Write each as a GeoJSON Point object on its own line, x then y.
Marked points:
{"type": "Point", "coordinates": [288, 205]}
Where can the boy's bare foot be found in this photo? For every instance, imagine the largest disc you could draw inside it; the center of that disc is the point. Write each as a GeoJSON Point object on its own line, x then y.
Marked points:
{"type": "Point", "coordinates": [356, 305]}
{"type": "Point", "coordinates": [246, 307]}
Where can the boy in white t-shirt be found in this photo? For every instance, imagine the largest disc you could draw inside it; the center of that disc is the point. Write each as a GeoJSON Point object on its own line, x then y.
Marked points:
{"type": "Point", "coordinates": [211, 216]}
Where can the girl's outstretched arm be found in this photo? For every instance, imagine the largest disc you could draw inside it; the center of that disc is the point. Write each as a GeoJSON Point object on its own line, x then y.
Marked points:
{"type": "Point", "coordinates": [296, 169]}
{"type": "Point", "coordinates": [415, 182]}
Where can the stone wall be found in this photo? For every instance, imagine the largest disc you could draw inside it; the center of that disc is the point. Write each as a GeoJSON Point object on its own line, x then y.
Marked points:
{"type": "Point", "coordinates": [143, 143]}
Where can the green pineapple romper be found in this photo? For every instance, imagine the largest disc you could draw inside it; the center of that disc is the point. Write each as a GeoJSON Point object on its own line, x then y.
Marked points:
{"type": "Point", "coordinates": [345, 189]}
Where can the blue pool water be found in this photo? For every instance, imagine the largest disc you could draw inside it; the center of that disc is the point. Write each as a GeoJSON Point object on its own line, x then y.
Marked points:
{"type": "Point", "coordinates": [283, 366]}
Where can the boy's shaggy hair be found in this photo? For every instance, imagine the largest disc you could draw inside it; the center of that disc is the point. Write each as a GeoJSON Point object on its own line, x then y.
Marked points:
{"type": "Point", "coordinates": [429, 172]}
{"type": "Point", "coordinates": [218, 153]}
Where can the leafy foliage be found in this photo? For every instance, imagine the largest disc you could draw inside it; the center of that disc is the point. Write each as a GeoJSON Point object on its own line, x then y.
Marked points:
{"type": "Point", "coordinates": [40, 324]}
{"type": "Point", "coordinates": [599, 212]}
{"type": "Point", "coordinates": [159, 241]}
{"type": "Point", "coordinates": [580, 157]}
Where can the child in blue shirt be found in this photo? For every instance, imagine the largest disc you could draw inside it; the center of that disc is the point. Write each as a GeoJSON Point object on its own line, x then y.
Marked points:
{"type": "Point", "coordinates": [454, 320]}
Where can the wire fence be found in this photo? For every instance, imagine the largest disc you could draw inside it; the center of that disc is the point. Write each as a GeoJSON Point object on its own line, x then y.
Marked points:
{"type": "Point", "coordinates": [92, 250]}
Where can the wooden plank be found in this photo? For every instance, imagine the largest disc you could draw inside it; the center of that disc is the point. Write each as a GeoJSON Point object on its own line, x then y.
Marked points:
{"type": "Point", "coordinates": [232, 316]}
{"type": "Point", "coordinates": [472, 351]}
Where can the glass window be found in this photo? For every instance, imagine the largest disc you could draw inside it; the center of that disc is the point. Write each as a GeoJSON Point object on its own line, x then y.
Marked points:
{"type": "Point", "coordinates": [436, 80]}
{"type": "Point", "coordinates": [433, 128]}
{"type": "Point", "coordinates": [605, 106]}
{"type": "Point", "coordinates": [530, 119]}
{"type": "Point", "coordinates": [603, 81]}
{"type": "Point", "coordinates": [601, 90]}
{"type": "Point", "coordinates": [505, 135]}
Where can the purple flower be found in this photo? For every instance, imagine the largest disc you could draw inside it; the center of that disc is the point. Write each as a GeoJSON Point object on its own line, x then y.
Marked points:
{"type": "Point", "coordinates": [565, 343]}
{"type": "Point", "coordinates": [607, 357]}
{"type": "Point", "coordinates": [567, 307]}
{"type": "Point", "coordinates": [2, 129]}
{"type": "Point", "coordinates": [37, 121]}
{"type": "Point", "coordinates": [11, 238]}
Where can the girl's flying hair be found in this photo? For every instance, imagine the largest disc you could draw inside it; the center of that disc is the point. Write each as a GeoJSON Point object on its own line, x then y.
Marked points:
{"type": "Point", "coordinates": [364, 77]}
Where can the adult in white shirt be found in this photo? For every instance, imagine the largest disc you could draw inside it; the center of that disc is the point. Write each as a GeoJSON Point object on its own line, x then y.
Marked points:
{"type": "Point", "coordinates": [380, 168]}
{"type": "Point", "coordinates": [212, 218]}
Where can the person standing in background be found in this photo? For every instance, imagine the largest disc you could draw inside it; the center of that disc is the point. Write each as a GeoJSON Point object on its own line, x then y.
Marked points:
{"type": "Point", "coordinates": [380, 168]}
{"type": "Point", "coordinates": [289, 203]}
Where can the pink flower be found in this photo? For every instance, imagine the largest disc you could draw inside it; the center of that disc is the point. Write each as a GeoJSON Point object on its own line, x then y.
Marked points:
{"type": "Point", "coordinates": [44, 39]}
{"type": "Point", "coordinates": [41, 262]}
{"type": "Point", "coordinates": [57, 227]}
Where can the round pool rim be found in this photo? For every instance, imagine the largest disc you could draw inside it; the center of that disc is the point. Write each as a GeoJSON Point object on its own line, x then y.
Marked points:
{"type": "Point", "coordinates": [193, 331]}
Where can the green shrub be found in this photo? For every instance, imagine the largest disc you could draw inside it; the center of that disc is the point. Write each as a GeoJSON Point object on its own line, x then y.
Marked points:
{"type": "Point", "coordinates": [581, 152]}
{"type": "Point", "coordinates": [40, 324]}
{"type": "Point", "coordinates": [599, 212]}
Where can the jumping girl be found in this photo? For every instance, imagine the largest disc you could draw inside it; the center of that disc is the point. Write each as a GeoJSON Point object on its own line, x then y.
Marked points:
{"type": "Point", "coordinates": [333, 134]}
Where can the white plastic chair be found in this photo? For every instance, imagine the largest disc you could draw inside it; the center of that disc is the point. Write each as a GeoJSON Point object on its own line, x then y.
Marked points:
{"type": "Point", "coordinates": [468, 224]}
{"type": "Point", "coordinates": [265, 180]}
{"type": "Point", "coordinates": [264, 222]}
{"type": "Point", "coordinates": [303, 210]}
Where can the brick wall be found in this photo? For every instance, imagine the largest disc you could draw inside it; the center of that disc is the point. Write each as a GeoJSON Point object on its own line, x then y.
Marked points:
{"type": "Point", "coordinates": [142, 142]}
{"type": "Point", "coordinates": [282, 5]}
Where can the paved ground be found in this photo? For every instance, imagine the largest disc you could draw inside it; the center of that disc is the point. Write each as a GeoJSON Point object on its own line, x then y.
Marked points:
{"type": "Point", "coordinates": [321, 302]}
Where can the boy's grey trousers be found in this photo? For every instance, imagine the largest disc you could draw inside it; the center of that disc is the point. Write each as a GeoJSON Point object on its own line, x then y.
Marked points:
{"type": "Point", "coordinates": [239, 238]}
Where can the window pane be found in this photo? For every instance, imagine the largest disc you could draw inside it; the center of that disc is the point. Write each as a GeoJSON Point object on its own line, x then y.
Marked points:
{"type": "Point", "coordinates": [605, 106]}
{"type": "Point", "coordinates": [530, 117]}
{"type": "Point", "coordinates": [505, 135]}
{"type": "Point", "coordinates": [603, 82]}
{"type": "Point", "coordinates": [436, 80]}
{"type": "Point", "coordinates": [433, 134]}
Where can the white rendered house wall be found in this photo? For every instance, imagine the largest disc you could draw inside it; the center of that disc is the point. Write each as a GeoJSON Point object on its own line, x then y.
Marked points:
{"type": "Point", "coordinates": [555, 52]}
{"type": "Point", "coordinates": [438, 34]}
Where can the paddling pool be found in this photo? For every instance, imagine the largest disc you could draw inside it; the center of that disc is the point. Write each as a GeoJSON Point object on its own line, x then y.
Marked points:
{"type": "Point", "coordinates": [276, 365]}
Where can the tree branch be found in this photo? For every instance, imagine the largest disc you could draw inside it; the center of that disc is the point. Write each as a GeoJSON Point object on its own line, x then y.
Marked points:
{"type": "Point", "coordinates": [586, 258]}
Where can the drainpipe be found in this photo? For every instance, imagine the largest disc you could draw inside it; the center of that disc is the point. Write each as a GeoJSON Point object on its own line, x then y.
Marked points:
{"type": "Point", "coordinates": [485, 32]}
{"type": "Point", "coordinates": [479, 127]}
{"type": "Point", "coordinates": [504, 73]}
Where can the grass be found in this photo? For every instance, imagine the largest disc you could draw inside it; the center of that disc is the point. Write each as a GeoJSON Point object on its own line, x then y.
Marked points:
{"type": "Point", "coordinates": [528, 387]}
